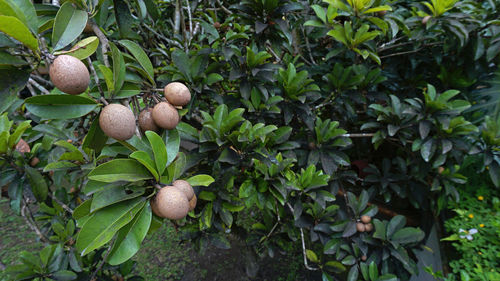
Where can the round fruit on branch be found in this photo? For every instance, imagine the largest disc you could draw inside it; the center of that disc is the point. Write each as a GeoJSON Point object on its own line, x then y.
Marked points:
{"type": "Point", "coordinates": [177, 94]}
{"type": "Point", "coordinates": [185, 187]}
{"type": "Point", "coordinates": [165, 115]}
{"type": "Point", "coordinates": [170, 203]}
{"type": "Point", "coordinates": [117, 121]}
{"type": "Point", "coordinates": [69, 75]}
{"type": "Point", "coordinates": [146, 121]}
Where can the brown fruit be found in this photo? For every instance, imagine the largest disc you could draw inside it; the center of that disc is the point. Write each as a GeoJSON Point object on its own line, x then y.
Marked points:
{"type": "Point", "coordinates": [426, 19]}
{"type": "Point", "coordinates": [440, 169]}
{"type": "Point", "coordinates": [170, 203]}
{"type": "Point", "coordinates": [69, 75]}
{"type": "Point", "coordinates": [363, 258]}
{"type": "Point", "coordinates": [381, 13]}
{"type": "Point", "coordinates": [22, 146]}
{"type": "Point", "coordinates": [185, 187]}
{"type": "Point", "coordinates": [88, 28]}
{"type": "Point", "coordinates": [165, 115]}
{"type": "Point", "coordinates": [360, 227]}
{"type": "Point", "coordinates": [366, 219]}
{"type": "Point", "coordinates": [217, 25]}
{"type": "Point", "coordinates": [146, 121]}
{"type": "Point", "coordinates": [368, 227]}
{"type": "Point", "coordinates": [192, 203]}
{"type": "Point", "coordinates": [34, 161]}
{"type": "Point", "coordinates": [117, 121]}
{"type": "Point", "coordinates": [177, 94]}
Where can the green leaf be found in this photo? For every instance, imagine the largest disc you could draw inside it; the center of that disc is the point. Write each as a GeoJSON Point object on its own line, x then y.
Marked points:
{"type": "Point", "coordinates": [60, 106]}
{"type": "Point", "coordinates": [108, 77]}
{"type": "Point", "coordinates": [172, 140]}
{"type": "Point", "coordinates": [63, 275]}
{"type": "Point", "coordinates": [104, 224]}
{"type": "Point", "coordinates": [21, 9]}
{"type": "Point", "coordinates": [17, 30]}
{"type": "Point", "coordinates": [68, 25]}
{"type": "Point", "coordinates": [213, 78]}
{"type": "Point", "coordinates": [144, 158]}
{"type": "Point", "coordinates": [82, 49]}
{"type": "Point", "coordinates": [207, 196]}
{"type": "Point", "coordinates": [59, 165]}
{"type": "Point", "coordinates": [123, 18]}
{"type": "Point", "coordinates": [353, 274]}
{"type": "Point", "coordinates": [118, 67]}
{"type": "Point", "coordinates": [373, 271]}
{"type": "Point", "coordinates": [8, 59]}
{"type": "Point", "coordinates": [159, 151]}
{"type": "Point", "coordinates": [408, 235]}
{"type": "Point", "coordinates": [38, 184]}
{"type": "Point", "coordinates": [141, 57]}
{"type": "Point", "coordinates": [14, 138]}
{"type": "Point", "coordinates": [130, 237]}
{"type": "Point", "coordinates": [114, 194]}
{"type": "Point", "coordinates": [95, 138]}
{"type": "Point", "coordinates": [311, 256]}
{"type": "Point", "coordinates": [200, 180]}
{"type": "Point", "coordinates": [120, 170]}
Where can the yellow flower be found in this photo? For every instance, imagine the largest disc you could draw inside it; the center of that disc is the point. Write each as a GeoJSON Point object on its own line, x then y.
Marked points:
{"type": "Point", "coordinates": [481, 225]}
{"type": "Point", "coordinates": [471, 216]}
{"type": "Point", "coordinates": [480, 198]}
{"type": "Point", "coordinates": [480, 253]}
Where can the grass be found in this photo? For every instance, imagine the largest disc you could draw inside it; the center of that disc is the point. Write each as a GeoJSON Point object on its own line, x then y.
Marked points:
{"type": "Point", "coordinates": [16, 236]}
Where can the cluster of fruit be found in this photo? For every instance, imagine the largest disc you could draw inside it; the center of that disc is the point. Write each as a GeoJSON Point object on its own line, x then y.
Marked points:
{"type": "Point", "coordinates": [364, 224]}
{"type": "Point", "coordinates": [174, 201]}
{"type": "Point", "coordinates": [117, 121]}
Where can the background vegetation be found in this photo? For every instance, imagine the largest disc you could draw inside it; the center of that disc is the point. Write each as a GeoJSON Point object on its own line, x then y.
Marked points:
{"type": "Point", "coordinates": [305, 116]}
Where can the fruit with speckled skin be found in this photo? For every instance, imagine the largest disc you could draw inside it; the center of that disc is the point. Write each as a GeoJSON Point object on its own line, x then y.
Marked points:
{"type": "Point", "coordinates": [165, 115]}
{"type": "Point", "coordinates": [177, 94]}
{"type": "Point", "coordinates": [360, 227]}
{"type": "Point", "coordinates": [146, 121]}
{"type": "Point", "coordinates": [192, 203]}
{"type": "Point", "coordinates": [366, 219]}
{"type": "Point", "coordinates": [117, 121]}
{"type": "Point", "coordinates": [170, 203]}
{"type": "Point", "coordinates": [368, 227]}
{"type": "Point", "coordinates": [69, 75]}
{"type": "Point", "coordinates": [185, 187]}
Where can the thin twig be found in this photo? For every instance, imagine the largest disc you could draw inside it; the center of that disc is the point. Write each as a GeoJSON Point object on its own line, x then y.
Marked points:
{"type": "Point", "coordinates": [38, 86]}
{"type": "Point", "coordinates": [308, 267]}
{"type": "Point", "coordinates": [96, 78]}
{"type": "Point", "coordinates": [190, 37]}
{"type": "Point", "coordinates": [412, 51]}
{"type": "Point", "coordinates": [30, 223]}
{"type": "Point", "coordinates": [157, 186]}
{"type": "Point", "coordinates": [41, 80]}
{"type": "Point", "coordinates": [169, 41]}
{"type": "Point", "coordinates": [226, 10]}
{"type": "Point", "coordinates": [358, 135]}
{"type": "Point", "coordinates": [103, 39]}
{"type": "Point", "coordinates": [30, 89]}
{"type": "Point", "coordinates": [308, 46]}
{"type": "Point", "coordinates": [104, 101]}
{"type": "Point", "coordinates": [101, 263]}
{"type": "Point", "coordinates": [177, 17]}
{"type": "Point", "coordinates": [64, 206]}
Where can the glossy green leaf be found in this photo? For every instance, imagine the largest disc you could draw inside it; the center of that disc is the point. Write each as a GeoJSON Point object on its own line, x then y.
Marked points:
{"type": "Point", "coordinates": [172, 141]}
{"type": "Point", "coordinates": [114, 194]}
{"type": "Point", "coordinates": [68, 25]}
{"type": "Point", "coordinates": [82, 49]}
{"type": "Point", "coordinates": [120, 170]}
{"type": "Point", "coordinates": [207, 196]}
{"type": "Point", "coordinates": [60, 106]}
{"type": "Point", "coordinates": [118, 67]}
{"type": "Point", "coordinates": [144, 158]}
{"type": "Point", "coordinates": [63, 275]}
{"type": "Point", "coordinates": [159, 151]}
{"type": "Point", "coordinates": [16, 135]}
{"type": "Point", "coordinates": [200, 180]}
{"type": "Point", "coordinates": [95, 138]}
{"type": "Point", "coordinates": [408, 235]}
{"type": "Point", "coordinates": [59, 165]}
{"type": "Point", "coordinates": [8, 59]}
{"type": "Point", "coordinates": [141, 57]}
{"type": "Point", "coordinates": [108, 77]}
{"type": "Point", "coordinates": [16, 29]}
{"type": "Point", "coordinates": [37, 182]}
{"type": "Point", "coordinates": [130, 237]}
{"type": "Point", "coordinates": [104, 224]}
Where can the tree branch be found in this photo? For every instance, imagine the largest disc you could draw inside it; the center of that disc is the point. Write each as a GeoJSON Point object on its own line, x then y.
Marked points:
{"type": "Point", "coordinates": [226, 10]}
{"type": "Point", "coordinates": [103, 39]}
{"type": "Point", "coordinates": [101, 263]}
{"type": "Point", "coordinates": [31, 223]}
{"type": "Point", "coordinates": [64, 206]}
{"type": "Point", "coordinates": [38, 86]}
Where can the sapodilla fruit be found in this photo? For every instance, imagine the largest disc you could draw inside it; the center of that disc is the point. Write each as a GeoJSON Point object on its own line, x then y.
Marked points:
{"type": "Point", "coordinates": [146, 121]}
{"type": "Point", "coordinates": [165, 115]}
{"type": "Point", "coordinates": [368, 227]}
{"type": "Point", "coordinates": [117, 121]}
{"type": "Point", "coordinates": [177, 94]}
{"type": "Point", "coordinates": [69, 75]}
{"type": "Point", "coordinates": [192, 203]}
{"type": "Point", "coordinates": [426, 19]}
{"type": "Point", "coordinates": [170, 203]}
{"type": "Point", "coordinates": [185, 187]}
{"type": "Point", "coordinates": [360, 227]}
{"type": "Point", "coordinates": [366, 219]}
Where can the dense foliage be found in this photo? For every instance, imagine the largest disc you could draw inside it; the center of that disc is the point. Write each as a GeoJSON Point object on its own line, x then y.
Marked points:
{"type": "Point", "coordinates": [305, 116]}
